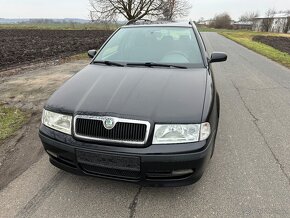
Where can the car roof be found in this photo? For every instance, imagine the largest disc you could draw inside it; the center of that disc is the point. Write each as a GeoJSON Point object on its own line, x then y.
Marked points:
{"type": "Point", "coordinates": [159, 24]}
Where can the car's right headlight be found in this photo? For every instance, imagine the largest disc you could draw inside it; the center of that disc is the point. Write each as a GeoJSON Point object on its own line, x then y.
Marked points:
{"type": "Point", "coordinates": [180, 133]}
{"type": "Point", "coordinates": [59, 122]}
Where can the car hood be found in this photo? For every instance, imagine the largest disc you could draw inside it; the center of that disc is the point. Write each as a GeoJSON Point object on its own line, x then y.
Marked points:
{"type": "Point", "coordinates": [159, 95]}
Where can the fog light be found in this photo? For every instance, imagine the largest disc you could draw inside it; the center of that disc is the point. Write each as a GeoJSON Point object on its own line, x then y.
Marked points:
{"type": "Point", "coordinates": [51, 153]}
{"type": "Point", "coordinates": [169, 174]}
{"type": "Point", "coordinates": [182, 172]}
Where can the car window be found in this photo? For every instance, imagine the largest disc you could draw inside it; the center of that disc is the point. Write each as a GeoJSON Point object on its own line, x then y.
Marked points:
{"type": "Point", "coordinates": [164, 45]}
{"type": "Point", "coordinates": [113, 46]}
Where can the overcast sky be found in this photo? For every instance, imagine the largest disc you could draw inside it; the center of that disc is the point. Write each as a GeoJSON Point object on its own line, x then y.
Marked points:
{"type": "Point", "coordinates": [79, 8]}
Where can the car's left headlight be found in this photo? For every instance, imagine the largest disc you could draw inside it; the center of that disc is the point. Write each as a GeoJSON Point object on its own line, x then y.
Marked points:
{"type": "Point", "coordinates": [59, 122]}
{"type": "Point", "coordinates": [176, 133]}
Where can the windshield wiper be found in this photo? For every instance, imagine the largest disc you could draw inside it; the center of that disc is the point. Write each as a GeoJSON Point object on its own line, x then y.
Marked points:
{"type": "Point", "coordinates": [109, 63]}
{"type": "Point", "coordinates": [152, 64]}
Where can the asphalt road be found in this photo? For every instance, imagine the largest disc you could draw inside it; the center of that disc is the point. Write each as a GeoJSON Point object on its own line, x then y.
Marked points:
{"type": "Point", "coordinates": [249, 175]}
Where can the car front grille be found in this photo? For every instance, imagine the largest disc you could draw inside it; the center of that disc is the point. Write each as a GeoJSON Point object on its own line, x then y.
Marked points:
{"type": "Point", "coordinates": [124, 131]}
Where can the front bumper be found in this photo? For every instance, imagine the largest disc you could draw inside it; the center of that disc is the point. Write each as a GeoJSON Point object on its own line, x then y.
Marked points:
{"type": "Point", "coordinates": [177, 165]}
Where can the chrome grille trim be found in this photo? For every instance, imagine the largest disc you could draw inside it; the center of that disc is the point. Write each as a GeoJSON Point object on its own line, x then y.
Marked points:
{"type": "Point", "coordinates": [117, 119]}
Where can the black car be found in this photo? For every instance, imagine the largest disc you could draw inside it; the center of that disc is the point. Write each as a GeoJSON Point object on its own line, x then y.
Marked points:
{"type": "Point", "coordinates": [145, 109]}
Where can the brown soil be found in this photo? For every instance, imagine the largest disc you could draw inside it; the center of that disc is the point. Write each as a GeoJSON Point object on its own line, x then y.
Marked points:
{"type": "Point", "coordinates": [280, 43]}
{"type": "Point", "coordinates": [21, 47]}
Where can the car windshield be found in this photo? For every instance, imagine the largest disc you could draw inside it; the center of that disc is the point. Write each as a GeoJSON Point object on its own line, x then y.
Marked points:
{"type": "Point", "coordinates": [158, 45]}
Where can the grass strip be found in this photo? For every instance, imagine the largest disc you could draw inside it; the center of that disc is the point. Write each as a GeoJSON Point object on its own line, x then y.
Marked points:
{"type": "Point", "coordinates": [245, 38]}
{"type": "Point", "coordinates": [11, 119]}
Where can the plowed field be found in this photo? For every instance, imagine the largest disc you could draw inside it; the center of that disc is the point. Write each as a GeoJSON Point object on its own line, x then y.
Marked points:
{"type": "Point", "coordinates": [19, 47]}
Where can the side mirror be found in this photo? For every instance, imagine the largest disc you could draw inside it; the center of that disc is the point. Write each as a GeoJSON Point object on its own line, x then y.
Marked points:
{"type": "Point", "coordinates": [92, 53]}
{"type": "Point", "coordinates": [218, 57]}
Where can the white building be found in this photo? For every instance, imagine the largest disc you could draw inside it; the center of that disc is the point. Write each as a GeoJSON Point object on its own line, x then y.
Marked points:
{"type": "Point", "coordinates": [279, 23]}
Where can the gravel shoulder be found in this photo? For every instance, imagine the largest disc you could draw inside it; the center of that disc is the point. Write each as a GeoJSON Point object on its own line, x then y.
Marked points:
{"type": "Point", "coordinates": [28, 91]}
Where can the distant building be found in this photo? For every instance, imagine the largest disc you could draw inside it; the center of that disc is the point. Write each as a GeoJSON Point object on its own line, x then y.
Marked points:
{"type": "Point", "coordinates": [205, 22]}
{"type": "Point", "coordinates": [245, 25]}
{"type": "Point", "coordinates": [279, 23]}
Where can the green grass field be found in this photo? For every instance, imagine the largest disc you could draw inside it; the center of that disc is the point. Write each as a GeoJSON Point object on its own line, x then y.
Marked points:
{"type": "Point", "coordinates": [11, 119]}
{"type": "Point", "coordinates": [208, 29]}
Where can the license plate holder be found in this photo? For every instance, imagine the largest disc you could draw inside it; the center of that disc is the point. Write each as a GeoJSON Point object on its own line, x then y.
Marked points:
{"type": "Point", "coordinates": [106, 160]}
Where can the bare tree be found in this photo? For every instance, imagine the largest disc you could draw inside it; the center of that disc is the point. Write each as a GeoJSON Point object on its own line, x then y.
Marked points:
{"type": "Point", "coordinates": [221, 21]}
{"type": "Point", "coordinates": [108, 10]}
{"type": "Point", "coordinates": [249, 16]}
{"type": "Point", "coordinates": [173, 9]}
{"type": "Point", "coordinates": [91, 16]}
{"type": "Point", "coordinates": [286, 28]}
{"type": "Point", "coordinates": [286, 25]}
{"type": "Point", "coordinates": [268, 20]}
{"type": "Point", "coordinates": [284, 11]}
{"type": "Point", "coordinates": [200, 20]}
